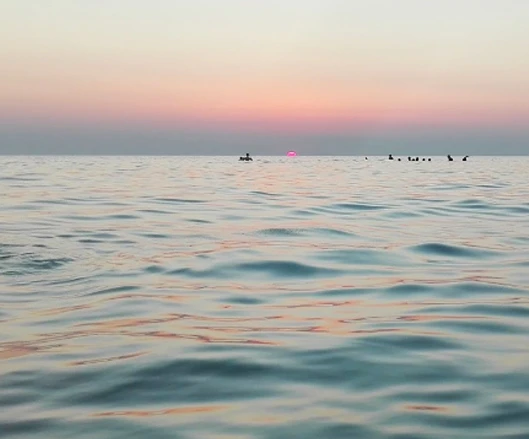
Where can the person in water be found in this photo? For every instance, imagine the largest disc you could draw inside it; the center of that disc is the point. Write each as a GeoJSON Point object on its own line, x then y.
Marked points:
{"type": "Point", "coordinates": [247, 158]}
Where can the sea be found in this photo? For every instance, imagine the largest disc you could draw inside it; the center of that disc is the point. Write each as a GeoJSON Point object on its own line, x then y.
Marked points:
{"type": "Point", "coordinates": [284, 298]}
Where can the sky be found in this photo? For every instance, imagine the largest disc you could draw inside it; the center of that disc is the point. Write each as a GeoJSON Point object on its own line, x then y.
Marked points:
{"type": "Point", "coordinates": [265, 76]}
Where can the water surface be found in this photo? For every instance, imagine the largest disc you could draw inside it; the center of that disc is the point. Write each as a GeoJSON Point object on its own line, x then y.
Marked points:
{"type": "Point", "coordinates": [321, 297]}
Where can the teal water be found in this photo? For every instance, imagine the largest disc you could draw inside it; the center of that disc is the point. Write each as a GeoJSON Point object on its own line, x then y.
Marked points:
{"type": "Point", "coordinates": [321, 297]}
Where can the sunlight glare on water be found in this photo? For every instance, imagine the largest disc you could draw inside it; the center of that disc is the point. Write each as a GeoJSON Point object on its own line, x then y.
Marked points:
{"type": "Point", "coordinates": [322, 297]}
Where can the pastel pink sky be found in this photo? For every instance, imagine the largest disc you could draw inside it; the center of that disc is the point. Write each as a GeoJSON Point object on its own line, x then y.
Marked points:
{"type": "Point", "coordinates": [320, 65]}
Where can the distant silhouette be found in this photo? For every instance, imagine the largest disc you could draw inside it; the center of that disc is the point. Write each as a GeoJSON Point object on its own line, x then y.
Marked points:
{"type": "Point", "coordinates": [409, 158]}
{"type": "Point", "coordinates": [450, 159]}
{"type": "Point", "coordinates": [247, 158]}
{"type": "Point", "coordinates": [429, 159]}
{"type": "Point", "coordinates": [465, 158]}
{"type": "Point", "coordinates": [423, 159]}
{"type": "Point", "coordinates": [390, 157]}
{"type": "Point", "coordinates": [398, 159]}
{"type": "Point", "coordinates": [416, 159]}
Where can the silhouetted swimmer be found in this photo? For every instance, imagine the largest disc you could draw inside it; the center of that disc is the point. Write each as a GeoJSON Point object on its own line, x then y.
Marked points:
{"type": "Point", "coordinates": [465, 158]}
{"type": "Point", "coordinates": [423, 159]}
{"type": "Point", "coordinates": [450, 159]}
{"type": "Point", "coordinates": [416, 159]}
{"type": "Point", "coordinates": [398, 159]}
{"type": "Point", "coordinates": [409, 158]}
{"type": "Point", "coordinates": [429, 159]}
{"type": "Point", "coordinates": [390, 157]}
{"type": "Point", "coordinates": [247, 158]}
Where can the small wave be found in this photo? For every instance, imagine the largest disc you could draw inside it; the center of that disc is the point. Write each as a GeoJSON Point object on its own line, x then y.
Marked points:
{"type": "Point", "coordinates": [450, 187]}
{"type": "Point", "coordinates": [286, 269]}
{"type": "Point", "coordinates": [154, 269]}
{"type": "Point", "coordinates": [244, 300]}
{"type": "Point", "coordinates": [405, 214]}
{"type": "Point", "coordinates": [280, 232]}
{"type": "Point", "coordinates": [58, 201]}
{"type": "Point", "coordinates": [273, 269]}
{"type": "Point", "coordinates": [451, 290]}
{"type": "Point", "coordinates": [497, 310]}
{"type": "Point", "coordinates": [112, 290]}
{"type": "Point", "coordinates": [199, 221]}
{"type": "Point", "coordinates": [472, 203]}
{"type": "Point", "coordinates": [522, 210]}
{"type": "Point", "coordinates": [439, 249]}
{"type": "Point", "coordinates": [412, 343]}
{"type": "Point", "coordinates": [324, 231]}
{"type": "Point", "coordinates": [27, 263]}
{"type": "Point", "coordinates": [304, 212]}
{"type": "Point", "coordinates": [315, 231]}
{"type": "Point", "coordinates": [358, 206]}
{"type": "Point", "coordinates": [154, 235]}
{"type": "Point", "coordinates": [266, 194]}
{"type": "Point", "coordinates": [186, 375]}
{"type": "Point", "coordinates": [156, 211]}
{"type": "Point", "coordinates": [122, 216]}
{"type": "Point", "coordinates": [178, 200]}
{"type": "Point", "coordinates": [411, 289]}
{"type": "Point", "coordinates": [363, 257]}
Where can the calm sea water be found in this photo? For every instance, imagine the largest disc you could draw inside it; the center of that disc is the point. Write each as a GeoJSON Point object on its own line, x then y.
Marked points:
{"type": "Point", "coordinates": [321, 297]}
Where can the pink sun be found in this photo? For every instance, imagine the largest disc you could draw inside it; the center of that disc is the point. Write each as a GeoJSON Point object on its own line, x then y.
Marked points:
{"type": "Point", "coordinates": [292, 154]}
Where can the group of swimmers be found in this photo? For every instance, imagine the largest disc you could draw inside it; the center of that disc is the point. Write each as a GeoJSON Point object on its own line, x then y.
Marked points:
{"type": "Point", "coordinates": [247, 158]}
{"type": "Point", "coordinates": [416, 159]}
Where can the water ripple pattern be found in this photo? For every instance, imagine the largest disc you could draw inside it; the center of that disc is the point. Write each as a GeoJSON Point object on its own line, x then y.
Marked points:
{"type": "Point", "coordinates": [181, 297]}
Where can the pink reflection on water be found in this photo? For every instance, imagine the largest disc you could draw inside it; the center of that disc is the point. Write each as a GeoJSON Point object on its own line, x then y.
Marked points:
{"type": "Point", "coordinates": [170, 411]}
